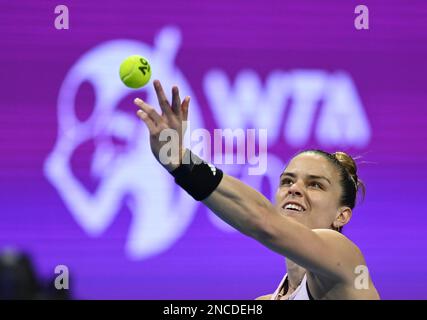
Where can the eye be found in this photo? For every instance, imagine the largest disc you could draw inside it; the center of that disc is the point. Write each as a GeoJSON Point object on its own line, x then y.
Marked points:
{"type": "Point", "coordinates": [286, 182]}
{"type": "Point", "coordinates": [316, 185]}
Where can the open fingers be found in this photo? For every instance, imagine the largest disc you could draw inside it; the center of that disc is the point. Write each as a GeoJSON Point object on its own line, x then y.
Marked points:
{"type": "Point", "coordinates": [150, 111]}
{"type": "Point", "coordinates": [161, 97]}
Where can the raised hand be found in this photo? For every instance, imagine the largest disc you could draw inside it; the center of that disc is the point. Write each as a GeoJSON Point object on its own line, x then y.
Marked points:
{"type": "Point", "coordinates": [172, 124]}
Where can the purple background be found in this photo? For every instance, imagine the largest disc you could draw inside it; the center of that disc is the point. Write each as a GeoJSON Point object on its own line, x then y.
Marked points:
{"type": "Point", "coordinates": [386, 63]}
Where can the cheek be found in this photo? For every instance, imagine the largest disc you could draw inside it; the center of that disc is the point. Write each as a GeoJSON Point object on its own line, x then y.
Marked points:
{"type": "Point", "coordinates": [324, 204]}
{"type": "Point", "coordinates": [278, 195]}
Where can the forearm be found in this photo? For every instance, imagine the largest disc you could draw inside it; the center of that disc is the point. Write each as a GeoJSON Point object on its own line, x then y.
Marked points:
{"type": "Point", "coordinates": [239, 205]}
{"type": "Point", "coordinates": [236, 203]}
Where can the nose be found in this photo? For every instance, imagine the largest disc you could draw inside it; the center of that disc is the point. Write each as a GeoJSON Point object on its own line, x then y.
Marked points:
{"type": "Point", "coordinates": [295, 190]}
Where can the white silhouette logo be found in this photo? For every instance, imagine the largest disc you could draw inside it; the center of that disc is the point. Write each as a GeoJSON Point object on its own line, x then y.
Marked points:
{"type": "Point", "coordinates": [161, 211]}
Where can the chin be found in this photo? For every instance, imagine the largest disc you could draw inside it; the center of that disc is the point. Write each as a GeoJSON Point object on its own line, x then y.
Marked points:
{"type": "Point", "coordinates": [295, 215]}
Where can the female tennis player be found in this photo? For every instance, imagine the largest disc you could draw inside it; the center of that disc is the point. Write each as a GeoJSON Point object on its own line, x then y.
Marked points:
{"type": "Point", "coordinates": [314, 200]}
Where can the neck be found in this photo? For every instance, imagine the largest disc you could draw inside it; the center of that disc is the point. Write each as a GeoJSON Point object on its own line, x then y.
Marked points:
{"type": "Point", "coordinates": [295, 274]}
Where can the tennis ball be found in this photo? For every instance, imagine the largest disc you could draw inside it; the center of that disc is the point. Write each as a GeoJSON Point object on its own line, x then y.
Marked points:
{"type": "Point", "coordinates": [135, 71]}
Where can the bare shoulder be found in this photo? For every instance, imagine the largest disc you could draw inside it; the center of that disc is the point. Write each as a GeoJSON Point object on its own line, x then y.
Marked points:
{"type": "Point", "coordinates": [341, 244]}
{"type": "Point", "coordinates": [265, 297]}
{"type": "Point", "coordinates": [357, 282]}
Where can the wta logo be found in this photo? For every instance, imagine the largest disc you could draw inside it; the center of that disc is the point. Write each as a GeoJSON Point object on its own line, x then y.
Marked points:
{"type": "Point", "coordinates": [161, 211]}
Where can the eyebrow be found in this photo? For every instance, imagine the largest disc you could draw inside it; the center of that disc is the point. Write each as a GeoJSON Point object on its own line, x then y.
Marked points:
{"type": "Point", "coordinates": [309, 176]}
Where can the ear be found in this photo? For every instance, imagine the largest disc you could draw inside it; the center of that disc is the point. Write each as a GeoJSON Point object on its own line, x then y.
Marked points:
{"type": "Point", "coordinates": [343, 217]}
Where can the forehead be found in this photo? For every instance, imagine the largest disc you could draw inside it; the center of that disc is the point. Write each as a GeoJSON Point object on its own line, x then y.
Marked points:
{"type": "Point", "coordinates": [312, 164]}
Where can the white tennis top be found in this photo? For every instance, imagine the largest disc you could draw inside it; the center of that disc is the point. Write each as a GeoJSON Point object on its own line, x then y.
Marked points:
{"type": "Point", "coordinates": [300, 293]}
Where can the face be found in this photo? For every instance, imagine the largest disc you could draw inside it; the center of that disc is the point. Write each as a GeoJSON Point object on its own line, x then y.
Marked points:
{"type": "Point", "coordinates": [310, 191]}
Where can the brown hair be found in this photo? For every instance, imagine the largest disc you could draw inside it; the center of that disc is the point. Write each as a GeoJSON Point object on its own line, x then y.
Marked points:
{"type": "Point", "coordinates": [350, 182]}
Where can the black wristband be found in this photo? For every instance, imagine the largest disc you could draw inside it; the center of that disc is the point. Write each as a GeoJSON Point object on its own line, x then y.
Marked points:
{"type": "Point", "coordinates": [196, 176]}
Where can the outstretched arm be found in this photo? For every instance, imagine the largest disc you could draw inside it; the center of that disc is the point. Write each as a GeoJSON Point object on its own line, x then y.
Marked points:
{"type": "Point", "coordinates": [324, 252]}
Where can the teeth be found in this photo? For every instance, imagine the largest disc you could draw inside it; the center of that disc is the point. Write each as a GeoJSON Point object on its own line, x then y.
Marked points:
{"type": "Point", "coordinates": [294, 207]}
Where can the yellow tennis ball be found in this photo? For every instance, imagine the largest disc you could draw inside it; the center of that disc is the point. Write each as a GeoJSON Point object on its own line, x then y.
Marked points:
{"type": "Point", "coordinates": [135, 71]}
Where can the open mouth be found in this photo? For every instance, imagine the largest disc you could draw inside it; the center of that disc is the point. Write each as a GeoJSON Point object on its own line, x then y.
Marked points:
{"type": "Point", "coordinates": [294, 207]}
